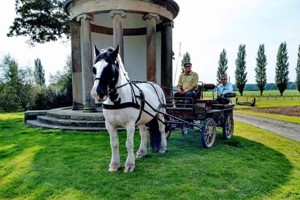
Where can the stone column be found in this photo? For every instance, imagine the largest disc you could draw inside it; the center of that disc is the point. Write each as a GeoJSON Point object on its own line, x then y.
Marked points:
{"type": "Point", "coordinates": [117, 16]}
{"type": "Point", "coordinates": [167, 58]}
{"type": "Point", "coordinates": [86, 62]}
{"type": "Point", "coordinates": [151, 45]}
{"type": "Point", "coordinates": [76, 66]}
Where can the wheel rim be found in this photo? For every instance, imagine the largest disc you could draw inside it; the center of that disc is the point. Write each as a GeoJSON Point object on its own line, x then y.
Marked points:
{"type": "Point", "coordinates": [229, 127]}
{"type": "Point", "coordinates": [209, 133]}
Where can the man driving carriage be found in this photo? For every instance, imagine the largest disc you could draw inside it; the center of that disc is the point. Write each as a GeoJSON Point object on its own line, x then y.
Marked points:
{"type": "Point", "coordinates": [187, 83]}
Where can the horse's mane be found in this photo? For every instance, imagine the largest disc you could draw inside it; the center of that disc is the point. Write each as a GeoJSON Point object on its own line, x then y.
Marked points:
{"type": "Point", "coordinates": [121, 67]}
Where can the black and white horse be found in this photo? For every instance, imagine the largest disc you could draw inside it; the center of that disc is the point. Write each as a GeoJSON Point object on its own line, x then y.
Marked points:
{"type": "Point", "coordinates": [128, 104]}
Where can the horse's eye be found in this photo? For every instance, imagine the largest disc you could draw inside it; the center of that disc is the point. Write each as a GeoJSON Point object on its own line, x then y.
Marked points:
{"type": "Point", "coordinates": [94, 70]}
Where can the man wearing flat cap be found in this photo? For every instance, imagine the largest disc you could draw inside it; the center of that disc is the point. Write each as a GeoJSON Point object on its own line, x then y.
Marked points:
{"type": "Point", "coordinates": [187, 83]}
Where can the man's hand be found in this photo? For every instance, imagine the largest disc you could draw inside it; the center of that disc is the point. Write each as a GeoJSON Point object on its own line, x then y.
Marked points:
{"type": "Point", "coordinates": [181, 91]}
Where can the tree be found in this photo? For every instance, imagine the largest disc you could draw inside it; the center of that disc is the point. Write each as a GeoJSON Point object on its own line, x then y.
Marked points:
{"type": "Point", "coordinates": [42, 21]}
{"type": "Point", "coordinates": [222, 69]}
{"type": "Point", "coordinates": [298, 71]}
{"type": "Point", "coordinates": [39, 72]}
{"type": "Point", "coordinates": [16, 90]}
{"type": "Point", "coordinates": [62, 82]}
{"type": "Point", "coordinates": [282, 68]}
{"type": "Point", "coordinates": [185, 59]}
{"type": "Point", "coordinates": [260, 70]}
{"type": "Point", "coordinates": [240, 72]}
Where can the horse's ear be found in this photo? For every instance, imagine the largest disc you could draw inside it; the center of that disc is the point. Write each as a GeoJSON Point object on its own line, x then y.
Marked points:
{"type": "Point", "coordinates": [114, 54]}
{"type": "Point", "coordinates": [97, 52]}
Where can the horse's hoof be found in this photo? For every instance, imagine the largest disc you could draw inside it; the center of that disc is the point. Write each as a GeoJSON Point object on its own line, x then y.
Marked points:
{"type": "Point", "coordinates": [140, 154]}
{"type": "Point", "coordinates": [113, 167]}
{"type": "Point", "coordinates": [129, 168]}
{"type": "Point", "coordinates": [162, 150]}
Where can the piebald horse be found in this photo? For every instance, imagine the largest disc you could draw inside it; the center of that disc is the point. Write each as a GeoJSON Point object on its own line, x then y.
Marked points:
{"type": "Point", "coordinates": [128, 104]}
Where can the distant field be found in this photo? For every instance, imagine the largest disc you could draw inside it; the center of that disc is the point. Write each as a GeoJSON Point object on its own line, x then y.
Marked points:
{"type": "Point", "coordinates": [269, 95]}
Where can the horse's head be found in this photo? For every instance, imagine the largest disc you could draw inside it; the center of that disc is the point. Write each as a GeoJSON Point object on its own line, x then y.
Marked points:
{"type": "Point", "coordinates": [106, 72]}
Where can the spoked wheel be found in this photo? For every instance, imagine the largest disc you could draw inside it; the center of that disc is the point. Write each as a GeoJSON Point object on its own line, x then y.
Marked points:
{"type": "Point", "coordinates": [228, 125]}
{"type": "Point", "coordinates": [208, 133]}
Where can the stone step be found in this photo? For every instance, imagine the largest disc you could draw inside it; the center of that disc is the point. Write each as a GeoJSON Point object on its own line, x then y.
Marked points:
{"type": "Point", "coordinates": [35, 123]}
{"type": "Point", "coordinates": [67, 113]}
{"type": "Point", "coordinates": [65, 119]}
{"type": "Point", "coordinates": [70, 122]}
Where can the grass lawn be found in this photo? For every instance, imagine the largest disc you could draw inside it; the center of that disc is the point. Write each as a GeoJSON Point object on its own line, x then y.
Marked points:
{"type": "Point", "coordinates": [53, 164]}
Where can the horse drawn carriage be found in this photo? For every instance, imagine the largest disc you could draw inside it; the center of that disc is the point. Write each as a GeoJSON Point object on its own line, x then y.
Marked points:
{"type": "Point", "coordinates": [201, 115]}
{"type": "Point", "coordinates": [130, 104]}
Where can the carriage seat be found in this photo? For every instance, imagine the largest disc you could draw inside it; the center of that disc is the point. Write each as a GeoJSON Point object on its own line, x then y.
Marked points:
{"type": "Point", "coordinates": [226, 98]}
{"type": "Point", "coordinates": [203, 87]}
{"type": "Point", "coordinates": [230, 95]}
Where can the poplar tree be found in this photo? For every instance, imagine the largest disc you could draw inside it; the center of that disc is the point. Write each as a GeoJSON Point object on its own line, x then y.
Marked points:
{"type": "Point", "coordinates": [39, 72]}
{"type": "Point", "coordinates": [298, 71]}
{"type": "Point", "coordinates": [282, 68]}
{"type": "Point", "coordinates": [260, 70]}
{"type": "Point", "coordinates": [185, 59]}
{"type": "Point", "coordinates": [222, 69]}
{"type": "Point", "coordinates": [240, 72]}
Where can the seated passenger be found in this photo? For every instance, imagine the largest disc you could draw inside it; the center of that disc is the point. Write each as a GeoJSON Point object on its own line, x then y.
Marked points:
{"type": "Point", "coordinates": [224, 88]}
{"type": "Point", "coordinates": [187, 83]}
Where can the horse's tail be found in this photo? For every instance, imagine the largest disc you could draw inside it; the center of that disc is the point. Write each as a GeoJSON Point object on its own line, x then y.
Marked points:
{"type": "Point", "coordinates": [155, 135]}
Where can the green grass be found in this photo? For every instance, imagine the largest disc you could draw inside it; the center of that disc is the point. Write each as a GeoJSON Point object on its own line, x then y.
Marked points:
{"type": "Point", "coordinates": [53, 164]}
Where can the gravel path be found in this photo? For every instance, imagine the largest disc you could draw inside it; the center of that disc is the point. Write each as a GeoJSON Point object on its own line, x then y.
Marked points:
{"type": "Point", "coordinates": [285, 129]}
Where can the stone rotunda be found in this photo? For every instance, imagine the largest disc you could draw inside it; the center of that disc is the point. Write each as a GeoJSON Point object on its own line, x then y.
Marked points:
{"type": "Point", "coordinates": [143, 31]}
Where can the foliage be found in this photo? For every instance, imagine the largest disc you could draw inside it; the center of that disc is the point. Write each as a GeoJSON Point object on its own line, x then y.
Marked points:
{"type": "Point", "coordinates": [16, 88]}
{"type": "Point", "coordinates": [260, 70]}
{"type": "Point", "coordinates": [222, 69]}
{"type": "Point", "coordinates": [54, 164]}
{"type": "Point", "coordinates": [50, 97]}
{"type": "Point", "coordinates": [63, 80]}
{"type": "Point", "coordinates": [298, 71]}
{"type": "Point", "coordinates": [282, 68]}
{"type": "Point", "coordinates": [18, 93]}
{"type": "Point", "coordinates": [240, 72]}
{"type": "Point", "coordinates": [58, 93]}
{"type": "Point", "coordinates": [39, 72]}
{"type": "Point", "coordinates": [42, 21]}
{"type": "Point", "coordinates": [185, 59]}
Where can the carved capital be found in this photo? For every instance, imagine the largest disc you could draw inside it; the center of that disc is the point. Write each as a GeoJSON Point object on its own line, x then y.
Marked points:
{"type": "Point", "coordinates": [117, 12]}
{"type": "Point", "coordinates": [151, 16]}
{"type": "Point", "coordinates": [85, 17]}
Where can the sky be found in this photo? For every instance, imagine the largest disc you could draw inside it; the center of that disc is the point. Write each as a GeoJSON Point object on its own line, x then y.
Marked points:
{"type": "Point", "coordinates": [203, 28]}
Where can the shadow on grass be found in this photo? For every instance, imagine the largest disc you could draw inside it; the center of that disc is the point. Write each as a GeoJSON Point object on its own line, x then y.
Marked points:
{"type": "Point", "coordinates": [73, 165]}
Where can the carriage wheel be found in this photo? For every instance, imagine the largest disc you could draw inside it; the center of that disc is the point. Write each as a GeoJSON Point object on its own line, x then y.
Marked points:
{"type": "Point", "coordinates": [228, 125]}
{"type": "Point", "coordinates": [208, 133]}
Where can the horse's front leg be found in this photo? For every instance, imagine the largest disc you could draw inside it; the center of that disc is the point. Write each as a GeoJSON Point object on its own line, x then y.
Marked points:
{"type": "Point", "coordinates": [114, 145]}
{"type": "Point", "coordinates": [142, 152]}
{"type": "Point", "coordinates": [130, 161]}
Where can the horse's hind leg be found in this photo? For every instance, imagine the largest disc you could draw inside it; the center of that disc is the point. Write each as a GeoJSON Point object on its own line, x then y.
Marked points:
{"type": "Point", "coordinates": [114, 145]}
{"type": "Point", "coordinates": [161, 126]}
{"type": "Point", "coordinates": [130, 161]}
{"type": "Point", "coordinates": [142, 152]}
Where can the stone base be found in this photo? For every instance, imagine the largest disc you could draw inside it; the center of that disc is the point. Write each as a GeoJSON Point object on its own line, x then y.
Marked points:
{"type": "Point", "coordinates": [65, 119]}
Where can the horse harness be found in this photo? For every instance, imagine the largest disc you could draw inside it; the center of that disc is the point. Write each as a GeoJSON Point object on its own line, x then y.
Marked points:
{"type": "Point", "coordinates": [114, 96]}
